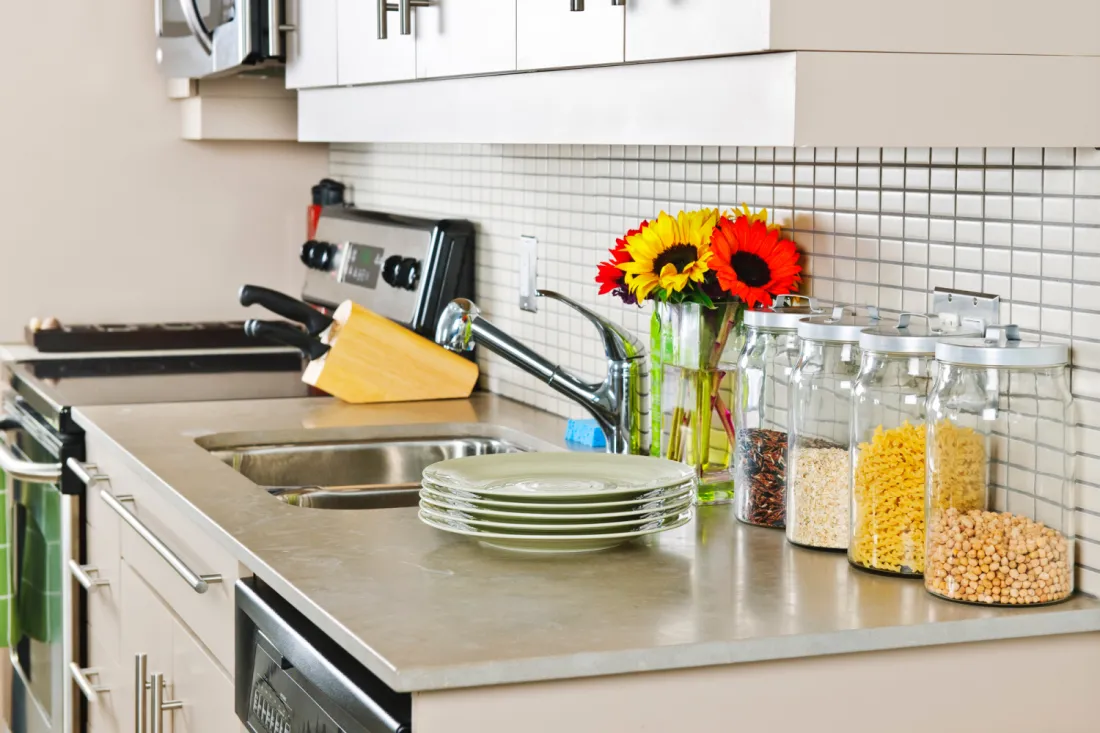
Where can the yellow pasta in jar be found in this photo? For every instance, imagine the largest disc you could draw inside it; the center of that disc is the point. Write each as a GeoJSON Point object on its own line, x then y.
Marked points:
{"type": "Point", "coordinates": [888, 493]}
{"type": "Point", "coordinates": [888, 525]}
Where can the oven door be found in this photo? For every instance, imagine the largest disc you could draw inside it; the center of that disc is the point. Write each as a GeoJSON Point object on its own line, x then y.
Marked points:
{"type": "Point", "coordinates": [204, 38]}
{"type": "Point", "coordinates": [42, 533]}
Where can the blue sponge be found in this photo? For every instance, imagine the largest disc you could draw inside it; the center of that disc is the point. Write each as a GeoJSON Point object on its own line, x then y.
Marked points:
{"type": "Point", "coordinates": [585, 432]}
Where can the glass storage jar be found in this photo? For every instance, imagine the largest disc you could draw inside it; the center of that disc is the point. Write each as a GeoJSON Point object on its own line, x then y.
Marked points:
{"type": "Point", "coordinates": [1000, 489]}
{"type": "Point", "coordinates": [764, 369]}
{"type": "Point", "coordinates": [819, 471]}
{"type": "Point", "coordinates": [888, 443]}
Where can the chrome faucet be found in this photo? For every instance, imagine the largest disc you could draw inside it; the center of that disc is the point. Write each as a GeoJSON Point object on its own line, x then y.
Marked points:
{"type": "Point", "coordinates": [620, 403]}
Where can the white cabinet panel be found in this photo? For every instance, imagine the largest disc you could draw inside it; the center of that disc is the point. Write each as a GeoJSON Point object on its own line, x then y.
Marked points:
{"type": "Point", "coordinates": [549, 34]}
{"type": "Point", "coordinates": [459, 37]}
{"type": "Point", "coordinates": [363, 57]}
{"type": "Point", "coordinates": [668, 29]}
{"type": "Point", "coordinates": [206, 691]}
{"type": "Point", "coordinates": [311, 49]}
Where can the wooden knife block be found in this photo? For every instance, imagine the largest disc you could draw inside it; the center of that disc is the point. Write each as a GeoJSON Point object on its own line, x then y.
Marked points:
{"type": "Point", "coordinates": [373, 359]}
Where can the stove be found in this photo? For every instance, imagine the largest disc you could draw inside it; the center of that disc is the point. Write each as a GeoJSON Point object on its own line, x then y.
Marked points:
{"type": "Point", "coordinates": [52, 387]}
{"type": "Point", "coordinates": [141, 337]}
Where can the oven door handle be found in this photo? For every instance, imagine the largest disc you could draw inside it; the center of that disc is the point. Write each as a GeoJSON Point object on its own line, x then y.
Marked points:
{"type": "Point", "coordinates": [22, 469]}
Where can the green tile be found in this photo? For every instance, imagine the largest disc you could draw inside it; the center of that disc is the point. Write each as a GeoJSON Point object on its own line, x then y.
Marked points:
{"type": "Point", "coordinates": [5, 604]}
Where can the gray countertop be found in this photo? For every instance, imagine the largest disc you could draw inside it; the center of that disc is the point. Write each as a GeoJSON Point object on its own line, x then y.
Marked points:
{"type": "Point", "coordinates": [424, 610]}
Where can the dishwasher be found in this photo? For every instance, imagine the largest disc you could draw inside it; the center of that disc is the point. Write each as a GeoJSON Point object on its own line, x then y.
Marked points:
{"type": "Point", "coordinates": [292, 678]}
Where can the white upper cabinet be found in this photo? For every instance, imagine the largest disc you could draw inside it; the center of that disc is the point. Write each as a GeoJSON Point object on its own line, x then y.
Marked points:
{"type": "Point", "coordinates": [460, 37]}
{"type": "Point", "coordinates": [672, 29]}
{"type": "Point", "coordinates": [669, 29]}
{"type": "Point", "coordinates": [364, 58]}
{"type": "Point", "coordinates": [550, 35]}
{"type": "Point", "coordinates": [311, 46]}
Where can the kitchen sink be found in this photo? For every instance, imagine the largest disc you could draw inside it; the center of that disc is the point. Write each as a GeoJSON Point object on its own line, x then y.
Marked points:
{"type": "Point", "coordinates": [372, 473]}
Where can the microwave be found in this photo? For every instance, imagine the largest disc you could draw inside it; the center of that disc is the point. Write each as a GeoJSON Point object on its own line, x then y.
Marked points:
{"type": "Point", "coordinates": [205, 38]}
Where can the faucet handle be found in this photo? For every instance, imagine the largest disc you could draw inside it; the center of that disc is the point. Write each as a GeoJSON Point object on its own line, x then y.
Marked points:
{"type": "Point", "coordinates": [618, 343]}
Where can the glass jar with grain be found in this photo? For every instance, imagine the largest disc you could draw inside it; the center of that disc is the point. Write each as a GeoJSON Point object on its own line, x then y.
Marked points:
{"type": "Point", "coordinates": [1000, 490]}
{"type": "Point", "coordinates": [888, 443]}
{"type": "Point", "coordinates": [819, 472]}
{"type": "Point", "coordinates": [764, 368]}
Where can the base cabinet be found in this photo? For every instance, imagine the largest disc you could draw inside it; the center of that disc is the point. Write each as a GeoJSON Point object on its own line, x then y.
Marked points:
{"type": "Point", "coordinates": [196, 694]}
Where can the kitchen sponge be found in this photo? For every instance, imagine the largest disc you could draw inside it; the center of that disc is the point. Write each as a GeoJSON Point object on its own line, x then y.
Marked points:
{"type": "Point", "coordinates": [585, 432]}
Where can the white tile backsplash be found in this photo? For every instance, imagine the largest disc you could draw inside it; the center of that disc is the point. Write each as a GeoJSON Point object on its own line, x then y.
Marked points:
{"type": "Point", "coordinates": [881, 225]}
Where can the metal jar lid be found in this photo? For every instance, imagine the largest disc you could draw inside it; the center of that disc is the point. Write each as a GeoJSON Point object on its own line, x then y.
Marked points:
{"type": "Point", "coordinates": [911, 338]}
{"type": "Point", "coordinates": [844, 325]}
{"type": "Point", "coordinates": [1001, 347]}
{"type": "Point", "coordinates": [783, 315]}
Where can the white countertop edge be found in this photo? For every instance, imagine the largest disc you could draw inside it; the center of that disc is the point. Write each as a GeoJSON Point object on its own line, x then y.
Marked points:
{"type": "Point", "coordinates": [600, 664]}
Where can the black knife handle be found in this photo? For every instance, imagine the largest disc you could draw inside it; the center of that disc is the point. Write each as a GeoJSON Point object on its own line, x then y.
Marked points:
{"type": "Point", "coordinates": [288, 335]}
{"type": "Point", "coordinates": [285, 306]}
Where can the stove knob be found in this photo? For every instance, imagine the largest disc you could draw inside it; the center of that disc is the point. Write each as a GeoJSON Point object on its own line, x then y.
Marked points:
{"type": "Point", "coordinates": [318, 255]}
{"type": "Point", "coordinates": [408, 273]}
{"type": "Point", "coordinates": [389, 270]}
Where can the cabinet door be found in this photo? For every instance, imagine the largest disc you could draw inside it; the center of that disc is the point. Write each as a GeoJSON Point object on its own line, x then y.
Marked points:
{"type": "Point", "coordinates": [549, 34]}
{"type": "Point", "coordinates": [363, 57]}
{"type": "Point", "coordinates": [669, 29]}
{"type": "Point", "coordinates": [204, 689]}
{"type": "Point", "coordinates": [457, 37]}
{"type": "Point", "coordinates": [311, 49]}
{"type": "Point", "coordinates": [146, 629]}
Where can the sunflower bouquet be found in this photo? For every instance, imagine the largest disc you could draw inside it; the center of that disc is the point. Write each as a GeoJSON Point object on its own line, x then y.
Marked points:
{"type": "Point", "coordinates": [702, 257]}
{"type": "Point", "coordinates": [701, 269]}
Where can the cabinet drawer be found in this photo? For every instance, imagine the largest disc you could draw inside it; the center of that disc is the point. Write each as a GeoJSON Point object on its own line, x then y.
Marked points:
{"type": "Point", "coordinates": [101, 562]}
{"type": "Point", "coordinates": [210, 614]}
{"type": "Point", "coordinates": [113, 709]}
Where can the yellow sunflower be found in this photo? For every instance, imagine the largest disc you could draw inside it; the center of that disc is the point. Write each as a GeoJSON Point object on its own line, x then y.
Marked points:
{"type": "Point", "coordinates": [762, 216]}
{"type": "Point", "coordinates": [670, 253]}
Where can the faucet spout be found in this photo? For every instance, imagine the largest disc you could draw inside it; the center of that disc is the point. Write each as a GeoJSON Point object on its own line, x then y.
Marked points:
{"type": "Point", "coordinates": [620, 403]}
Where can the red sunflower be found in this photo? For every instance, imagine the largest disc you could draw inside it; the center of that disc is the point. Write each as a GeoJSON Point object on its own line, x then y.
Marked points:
{"type": "Point", "coordinates": [753, 263]}
{"type": "Point", "coordinates": [610, 276]}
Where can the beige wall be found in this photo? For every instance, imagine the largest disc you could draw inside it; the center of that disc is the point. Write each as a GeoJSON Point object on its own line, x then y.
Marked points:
{"type": "Point", "coordinates": [105, 214]}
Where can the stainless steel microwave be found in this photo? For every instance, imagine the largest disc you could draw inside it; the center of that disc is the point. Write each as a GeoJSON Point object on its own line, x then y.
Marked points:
{"type": "Point", "coordinates": [204, 38]}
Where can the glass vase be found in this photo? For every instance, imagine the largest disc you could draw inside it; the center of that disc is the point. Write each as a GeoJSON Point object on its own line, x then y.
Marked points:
{"type": "Point", "coordinates": [693, 349]}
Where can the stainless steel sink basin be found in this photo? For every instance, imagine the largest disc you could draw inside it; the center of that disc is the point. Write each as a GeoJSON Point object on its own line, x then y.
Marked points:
{"type": "Point", "coordinates": [372, 473]}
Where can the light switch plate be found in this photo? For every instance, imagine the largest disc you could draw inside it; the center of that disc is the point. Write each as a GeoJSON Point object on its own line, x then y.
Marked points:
{"type": "Point", "coordinates": [528, 273]}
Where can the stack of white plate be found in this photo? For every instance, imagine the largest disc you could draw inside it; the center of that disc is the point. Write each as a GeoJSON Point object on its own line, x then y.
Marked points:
{"type": "Point", "coordinates": [557, 502]}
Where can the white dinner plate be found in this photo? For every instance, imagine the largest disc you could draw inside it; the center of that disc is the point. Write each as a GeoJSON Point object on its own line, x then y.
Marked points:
{"type": "Point", "coordinates": [523, 517]}
{"type": "Point", "coordinates": [525, 528]}
{"type": "Point", "coordinates": [553, 543]}
{"type": "Point", "coordinates": [557, 476]}
{"type": "Point", "coordinates": [674, 495]}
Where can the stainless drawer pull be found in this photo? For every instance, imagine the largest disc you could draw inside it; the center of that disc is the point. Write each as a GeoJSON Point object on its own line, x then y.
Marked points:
{"type": "Point", "coordinates": [198, 583]}
{"type": "Point", "coordinates": [141, 661]}
{"type": "Point", "coordinates": [405, 8]}
{"type": "Point", "coordinates": [160, 704]}
{"type": "Point", "coordinates": [80, 677]}
{"type": "Point", "coordinates": [24, 470]}
{"type": "Point", "coordinates": [87, 473]}
{"type": "Point", "coordinates": [83, 575]}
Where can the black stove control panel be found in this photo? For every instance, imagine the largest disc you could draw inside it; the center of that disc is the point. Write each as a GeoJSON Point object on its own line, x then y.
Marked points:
{"type": "Point", "coordinates": [278, 703]}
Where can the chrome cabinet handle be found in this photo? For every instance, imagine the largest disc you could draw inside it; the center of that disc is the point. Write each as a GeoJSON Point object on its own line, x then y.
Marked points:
{"type": "Point", "coordinates": [160, 704]}
{"type": "Point", "coordinates": [90, 689]}
{"type": "Point", "coordinates": [87, 473]}
{"type": "Point", "coordinates": [405, 8]}
{"type": "Point", "coordinates": [577, 5]}
{"type": "Point", "coordinates": [194, 24]}
{"type": "Point", "coordinates": [279, 26]}
{"type": "Point", "coordinates": [83, 575]}
{"type": "Point", "coordinates": [158, 18]}
{"type": "Point", "coordinates": [141, 710]}
{"type": "Point", "coordinates": [24, 470]}
{"type": "Point", "coordinates": [198, 583]}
